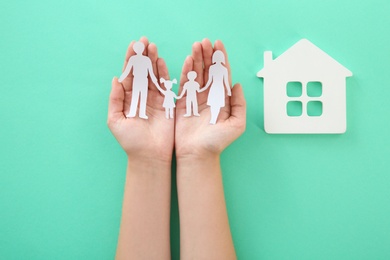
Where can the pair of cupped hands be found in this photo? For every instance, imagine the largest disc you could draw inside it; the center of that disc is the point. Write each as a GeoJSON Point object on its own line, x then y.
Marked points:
{"type": "Point", "coordinates": [191, 137]}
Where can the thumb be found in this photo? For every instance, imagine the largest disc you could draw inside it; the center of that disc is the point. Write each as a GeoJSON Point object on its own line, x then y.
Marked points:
{"type": "Point", "coordinates": [238, 104]}
{"type": "Point", "coordinates": [115, 104]}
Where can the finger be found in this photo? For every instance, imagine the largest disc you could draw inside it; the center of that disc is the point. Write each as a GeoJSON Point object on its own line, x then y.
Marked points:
{"type": "Point", "coordinates": [130, 52]}
{"type": "Point", "coordinates": [162, 70]}
{"type": "Point", "coordinates": [207, 53]}
{"type": "Point", "coordinates": [153, 55]}
{"type": "Point", "coordinates": [128, 81]}
{"type": "Point", "coordinates": [145, 41]}
{"type": "Point", "coordinates": [218, 45]}
{"type": "Point", "coordinates": [116, 99]}
{"type": "Point", "coordinates": [238, 104]}
{"type": "Point", "coordinates": [187, 67]}
{"type": "Point", "coordinates": [198, 61]}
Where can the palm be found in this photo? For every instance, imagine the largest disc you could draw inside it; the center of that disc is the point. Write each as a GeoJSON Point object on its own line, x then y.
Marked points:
{"type": "Point", "coordinates": [152, 135]}
{"type": "Point", "coordinates": [196, 134]}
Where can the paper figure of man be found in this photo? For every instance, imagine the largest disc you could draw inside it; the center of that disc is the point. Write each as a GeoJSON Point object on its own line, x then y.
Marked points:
{"type": "Point", "coordinates": [191, 87]}
{"type": "Point", "coordinates": [142, 67]}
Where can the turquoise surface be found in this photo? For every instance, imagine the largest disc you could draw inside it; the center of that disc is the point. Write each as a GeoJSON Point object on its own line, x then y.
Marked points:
{"type": "Point", "coordinates": [288, 196]}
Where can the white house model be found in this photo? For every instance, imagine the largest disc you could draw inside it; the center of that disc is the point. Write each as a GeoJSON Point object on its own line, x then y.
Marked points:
{"type": "Point", "coordinates": [304, 91]}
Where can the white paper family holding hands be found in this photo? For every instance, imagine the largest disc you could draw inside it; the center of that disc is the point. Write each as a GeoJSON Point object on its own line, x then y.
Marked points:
{"type": "Point", "coordinates": [141, 67]}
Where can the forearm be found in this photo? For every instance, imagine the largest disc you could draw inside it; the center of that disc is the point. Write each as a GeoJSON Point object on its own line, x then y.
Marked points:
{"type": "Point", "coordinates": [204, 226]}
{"type": "Point", "coordinates": [145, 224]}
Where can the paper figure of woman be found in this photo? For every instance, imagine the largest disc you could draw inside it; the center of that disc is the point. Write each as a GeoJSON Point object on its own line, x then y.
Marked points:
{"type": "Point", "coordinates": [218, 81]}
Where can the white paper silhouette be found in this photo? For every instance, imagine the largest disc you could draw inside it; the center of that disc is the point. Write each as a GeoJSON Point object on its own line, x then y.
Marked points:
{"type": "Point", "coordinates": [218, 80]}
{"type": "Point", "coordinates": [169, 95]}
{"type": "Point", "coordinates": [191, 87]}
{"type": "Point", "coordinates": [318, 79]}
{"type": "Point", "coordinates": [142, 67]}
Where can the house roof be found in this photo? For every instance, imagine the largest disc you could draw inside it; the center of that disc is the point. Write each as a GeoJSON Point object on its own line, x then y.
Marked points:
{"type": "Point", "coordinates": [304, 59]}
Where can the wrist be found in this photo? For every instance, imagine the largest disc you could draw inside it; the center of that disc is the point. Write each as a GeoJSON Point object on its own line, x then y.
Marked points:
{"type": "Point", "coordinates": [189, 152]}
{"type": "Point", "coordinates": [153, 155]}
{"type": "Point", "coordinates": [201, 157]}
{"type": "Point", "coordinates": [200, 164]}
{"type": "Point", "coordinates": [149, 162]}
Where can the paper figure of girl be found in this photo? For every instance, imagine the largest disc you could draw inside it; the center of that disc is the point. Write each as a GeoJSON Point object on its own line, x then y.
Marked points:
{"type": "Point", "coordinates": [218, 80]}
{"type": "Point", "coordinates": [169, 99]}
{"type": "Point", "coordinates": [191, 87]}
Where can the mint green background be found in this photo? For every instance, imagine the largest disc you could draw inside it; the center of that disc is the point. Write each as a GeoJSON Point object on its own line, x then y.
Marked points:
{"type": "Point", "coordinates": [288, 196]}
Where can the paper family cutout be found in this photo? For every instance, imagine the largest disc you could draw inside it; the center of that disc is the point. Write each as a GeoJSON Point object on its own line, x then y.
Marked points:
{"type": "Point", "coordinates": [141, 67]}
{"type": "Point", "coordinates": [319, 96]}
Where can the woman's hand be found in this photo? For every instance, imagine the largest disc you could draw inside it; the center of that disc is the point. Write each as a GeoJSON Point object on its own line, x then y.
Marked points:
{"type": "Point", "coordinates": [194, 136]}
{"type": "Point", "coordinates": [142, 139]}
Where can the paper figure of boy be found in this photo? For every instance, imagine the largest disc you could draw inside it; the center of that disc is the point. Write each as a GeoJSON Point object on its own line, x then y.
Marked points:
{"type": "Point", "coordinates": [142, 67]}
{"type": "Point", "coordinates": [169, 97]}
{"type": "Point", "coordinates": [191, 87]}
{"type": "Point", "coordinates": [218, 81]}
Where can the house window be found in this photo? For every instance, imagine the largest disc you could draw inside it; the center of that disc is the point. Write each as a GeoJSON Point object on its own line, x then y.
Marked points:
{"type": "Point", "coordinates": [294, 108]}
{"type": "Point", "coordinates": [294, 89]}
{"type": "Point", "coordinates": [304, 95]}
{"type": "Point", "coordinates": [314, 89]}
{"type": "Point", "coordinates": [314, 108]}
